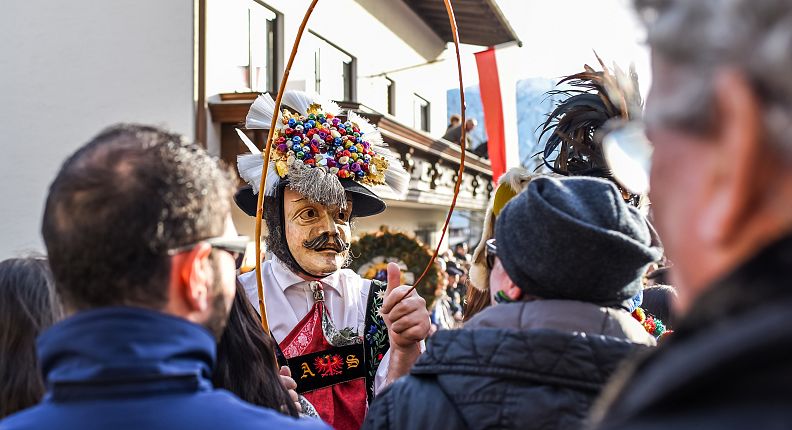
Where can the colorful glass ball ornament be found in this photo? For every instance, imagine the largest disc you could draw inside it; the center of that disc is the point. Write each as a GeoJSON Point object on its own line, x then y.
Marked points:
{"type": "Point", "coordinates": [322, 140]}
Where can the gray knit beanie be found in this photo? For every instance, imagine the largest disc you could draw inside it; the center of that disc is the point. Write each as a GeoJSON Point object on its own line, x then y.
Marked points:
{"type": "Point", "coordinates": [574, 239]}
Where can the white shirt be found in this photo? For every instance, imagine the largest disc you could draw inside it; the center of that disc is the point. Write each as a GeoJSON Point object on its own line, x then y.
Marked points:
{"type": "Point", "coordinates": [289, 298]}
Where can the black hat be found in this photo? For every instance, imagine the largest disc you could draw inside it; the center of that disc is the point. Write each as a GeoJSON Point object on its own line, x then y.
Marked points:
{"type": "Point", "coordinates": [575, 239]}
{"type": "Point", "coordinates": [364, 201]}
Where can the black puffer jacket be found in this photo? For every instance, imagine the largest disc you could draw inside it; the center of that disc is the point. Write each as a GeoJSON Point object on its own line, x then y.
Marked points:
{"type": "Point", "coordinates": [540, 370]}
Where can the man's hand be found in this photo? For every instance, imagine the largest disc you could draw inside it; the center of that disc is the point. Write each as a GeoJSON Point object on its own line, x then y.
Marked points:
{"type": "Point", "coordinates": [408, 324]}
{"type": "Point", "coordinates": [407, 320]}
{"type": "Point", "coordinates": [290, 385]}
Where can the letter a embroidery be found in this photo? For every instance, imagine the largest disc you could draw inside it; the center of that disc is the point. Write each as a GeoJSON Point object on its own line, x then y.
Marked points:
{"type": "Point", "coordinates": [306, 371]}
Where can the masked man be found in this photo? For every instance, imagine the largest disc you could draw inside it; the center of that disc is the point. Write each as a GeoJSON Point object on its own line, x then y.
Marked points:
{"type": "Point", "coordinates": [344, 337]}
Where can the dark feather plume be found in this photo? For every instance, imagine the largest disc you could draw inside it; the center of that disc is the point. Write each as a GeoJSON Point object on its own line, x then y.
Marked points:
{"type": "Point", "coordinates": [576, 125]}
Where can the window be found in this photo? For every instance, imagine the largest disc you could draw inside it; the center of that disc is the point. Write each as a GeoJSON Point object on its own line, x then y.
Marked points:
{"type": "Point", "coordinates": [330, 70]}
{"type": "Point", "coordinates": [391, 96]}
{"type": "Point", "coordinates": [261, 41]}
{"type": "Point", "coordinates": [349, 80]}
{"type": "Point", "coordinates": [249, 47]}
{"type": "Point", "coordinates": [420, 113]}
{"type": "Point", "coordinates": [243, 44]}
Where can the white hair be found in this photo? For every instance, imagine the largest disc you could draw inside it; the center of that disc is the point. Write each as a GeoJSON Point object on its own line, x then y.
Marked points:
{"type": "Point", "coordinates": [700, 36]}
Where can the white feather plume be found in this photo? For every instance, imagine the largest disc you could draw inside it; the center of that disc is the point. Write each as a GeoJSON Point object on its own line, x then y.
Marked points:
{"type": "Point", "coordinates": [249, 166]}
{"type": "Point", "coordinates": [260, 114]}
{"type": "Point", "coordinates": [272, 180]}
{"type": "Point", "coordinates": [395, 176]}
{"type": "Point", "coordinates": [301, 100]}
{"type": "Point", "coordinates": [250, 145]}
{"type": "Point", "coordinates": [367, 129]}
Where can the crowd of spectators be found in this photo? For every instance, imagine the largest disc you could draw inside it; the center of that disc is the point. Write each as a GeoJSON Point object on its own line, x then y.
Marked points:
{"type": "Point", "coordinates": [569, 314]}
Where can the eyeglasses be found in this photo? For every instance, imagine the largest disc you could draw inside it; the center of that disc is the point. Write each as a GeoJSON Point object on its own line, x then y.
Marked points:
{"type": "Point", "coordinates": [234, 245]}
{"type": "Point", "coordinates": [491, 251]}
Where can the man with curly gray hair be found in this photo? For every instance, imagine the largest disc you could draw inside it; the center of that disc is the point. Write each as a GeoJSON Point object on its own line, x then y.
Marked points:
{"type": "Point", "coordinates": [719, 115]}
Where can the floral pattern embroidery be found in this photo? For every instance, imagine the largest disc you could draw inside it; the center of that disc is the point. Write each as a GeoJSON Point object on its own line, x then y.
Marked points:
{"type": "Point", "coordinates": [377, 341]}
{"type": "Point", "coordinates": [301, 341]}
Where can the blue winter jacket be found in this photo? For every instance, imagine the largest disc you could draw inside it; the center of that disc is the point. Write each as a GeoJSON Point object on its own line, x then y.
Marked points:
{"type": "Point", "coordinates": [130, 368]}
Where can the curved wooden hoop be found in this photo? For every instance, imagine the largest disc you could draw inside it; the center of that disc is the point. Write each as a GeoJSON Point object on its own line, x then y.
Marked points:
{"type": "Point", "coordinates": [268, 148]}
{"type": "Point", "coordinates": [455, 34]}
{"type": "Point", "coordinates": [265, 167]}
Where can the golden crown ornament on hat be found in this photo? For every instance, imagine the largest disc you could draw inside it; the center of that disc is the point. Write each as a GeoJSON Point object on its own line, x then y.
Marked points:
{"type": "Point", "coordinates": [296, 168]}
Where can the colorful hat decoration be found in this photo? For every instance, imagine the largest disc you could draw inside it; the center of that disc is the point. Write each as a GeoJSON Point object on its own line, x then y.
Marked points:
{"type": "Point", "coordinates": [317, 148]}
{"type": "Point", "coordinates": [650, 323]}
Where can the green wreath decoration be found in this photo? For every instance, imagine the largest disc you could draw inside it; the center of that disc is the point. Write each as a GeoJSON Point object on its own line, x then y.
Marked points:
{"type": "Point", "coordinates": [376, 250]}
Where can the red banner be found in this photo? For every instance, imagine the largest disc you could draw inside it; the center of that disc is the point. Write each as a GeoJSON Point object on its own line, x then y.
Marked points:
{"type": "Point", "coordinates": [489, 86]}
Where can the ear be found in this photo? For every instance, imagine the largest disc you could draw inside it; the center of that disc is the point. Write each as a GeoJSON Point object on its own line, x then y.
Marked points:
{"type": "Point", "coordinates": [513, 291]}
{"type": "Point", "coordinates": [739, 152]}
{"type": "Point", "coordinates": [195, 276]}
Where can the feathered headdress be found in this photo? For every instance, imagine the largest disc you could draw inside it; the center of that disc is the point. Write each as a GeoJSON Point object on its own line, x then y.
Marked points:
{"type": "Point", "coordinates": [596, 101]}
{"type": "Point", "coordinates": [319, 150]}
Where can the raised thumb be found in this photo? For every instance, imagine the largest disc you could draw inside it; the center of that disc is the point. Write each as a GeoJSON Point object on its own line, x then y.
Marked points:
{"type": "Point", "coordinates": [394, 277]}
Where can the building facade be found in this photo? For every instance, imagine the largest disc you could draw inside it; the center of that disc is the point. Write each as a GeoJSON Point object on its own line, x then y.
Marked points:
{"type": "Point", "coordinates": [72, 69]}
{"type": "Point", "coordinates": [389, 61]}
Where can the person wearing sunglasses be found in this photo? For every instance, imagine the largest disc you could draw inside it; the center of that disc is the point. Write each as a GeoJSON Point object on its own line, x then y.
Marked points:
{"type": "Point", "coordinates": [566, 257]}
{"type": "Point", "coordinates": [509, 185]}
{"type": "Point", "coordinates": [139, 237]}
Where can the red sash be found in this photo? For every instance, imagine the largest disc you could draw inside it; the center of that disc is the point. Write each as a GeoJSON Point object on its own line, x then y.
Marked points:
{"type": "Point", "coordinates": [342, 405]}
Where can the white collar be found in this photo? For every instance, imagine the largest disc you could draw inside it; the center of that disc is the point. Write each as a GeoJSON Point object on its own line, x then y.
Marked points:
{"type": "Point", "coordinates": [285, 278]}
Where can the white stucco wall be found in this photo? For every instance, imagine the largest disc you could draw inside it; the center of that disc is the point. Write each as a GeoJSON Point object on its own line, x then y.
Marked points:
{"type": "Point", "coordinates": [69, 69]}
